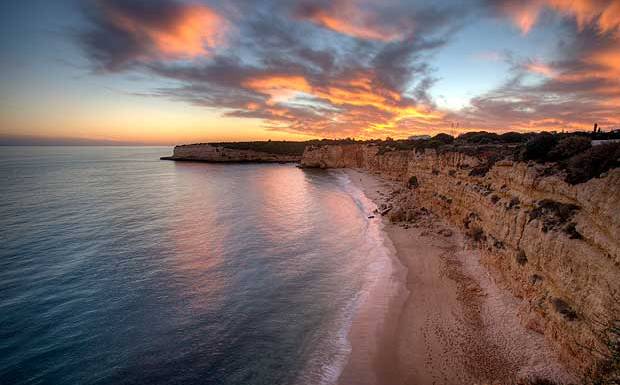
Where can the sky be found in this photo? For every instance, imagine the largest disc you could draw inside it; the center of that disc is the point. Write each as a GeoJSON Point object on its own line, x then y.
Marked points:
{"type": "Point", "coordinates": [175, 71]}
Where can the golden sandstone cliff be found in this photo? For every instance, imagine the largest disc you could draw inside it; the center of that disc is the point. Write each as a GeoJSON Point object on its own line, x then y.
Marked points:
{"type": "Point", "coordinates": [554, 245]}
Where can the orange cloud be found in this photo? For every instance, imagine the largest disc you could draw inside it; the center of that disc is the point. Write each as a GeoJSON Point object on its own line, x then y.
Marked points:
{"type": "Point", "coordinates": [609, 61]}
{"type": "Point", "coordinates": [191, 32]}
{"type": "Point", "coordinates": [541, 69]}
{"type": "Point", "coordinates": [359, 104]}
{"type": "Point", "coordinates": [602, 64]}
{"type": "Point", "coordinates": [347, 27]}
{"type": "Point", "coordinates": [279, 87]}
{"type": "Point", "coordinates": [610, 18]}
{"type": "Point", "coordinates": [348, 17]}
{"type": "Point", "coordinates": [524, 15]}
{"type": "Point", "coordinates": [604, 13]}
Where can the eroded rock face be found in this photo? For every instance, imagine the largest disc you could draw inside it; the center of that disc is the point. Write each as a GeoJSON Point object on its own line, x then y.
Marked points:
{"type": "Point", "coordinates": [554, 245]}
{"type": "Point", "coordinates": [210, 153]}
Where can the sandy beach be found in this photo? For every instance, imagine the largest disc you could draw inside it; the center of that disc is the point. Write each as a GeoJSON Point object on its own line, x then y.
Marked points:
{"type": "Point", "coordinates": [446, 320]}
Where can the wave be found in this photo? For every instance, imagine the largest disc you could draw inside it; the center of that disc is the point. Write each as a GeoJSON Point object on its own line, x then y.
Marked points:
{"type": "Point", "coordinates": [376, 254]}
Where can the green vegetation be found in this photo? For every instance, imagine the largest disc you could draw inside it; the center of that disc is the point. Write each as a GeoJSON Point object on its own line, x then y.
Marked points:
{"type": "Point", "coordinates": [408, 145]}
{"type": "Point", "coordinates": [443, 138]}
{"type": "Point", "coordinates": [571, 153]}
{"type": "Point", "coordinates": [555, 216]}
{"type": "Point", "coordinates": [270, 147]}
{"type": "Point", "coordinates": [281, 147]}
{"type": "Point", "coordinates": [538, 147]}
{"type": "Point", "coordinates": [592, 163]}
{"type": "Point", "coordinates": [514, 137]}
{"type": "Point", "coordinates": [568, 147]}
{"type": "Point", "coordinates": [479, 137]}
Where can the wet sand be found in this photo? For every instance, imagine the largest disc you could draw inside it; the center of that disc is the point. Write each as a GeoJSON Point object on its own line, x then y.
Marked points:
{"type": "Point", "coordinates": [447, 321]}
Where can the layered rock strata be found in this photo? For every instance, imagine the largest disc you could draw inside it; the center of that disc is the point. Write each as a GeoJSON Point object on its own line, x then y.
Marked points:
{"type": "Point", "coordinates": [554, 245]}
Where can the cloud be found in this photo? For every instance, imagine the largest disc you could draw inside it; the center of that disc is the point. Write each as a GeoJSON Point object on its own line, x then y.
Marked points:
{"type": "Point", "coordinates": [577, 90]}
{"type": "Point", "coordinates": [352, 101]}
{"type": "Point", "coordinates": [350, 18]}
{"type": "Point", "coordinates": [604, 14]}
{"type": "Point", "coordinates": [126, 32]}
{"type": "Point", "coordinates": [524, 14]}
{"type": "Point", "coordinates": [279, 69]}
{"type": "Point", "coordinates": [357, 67]}
{"type": "Point", "coordinates": [540, 68]}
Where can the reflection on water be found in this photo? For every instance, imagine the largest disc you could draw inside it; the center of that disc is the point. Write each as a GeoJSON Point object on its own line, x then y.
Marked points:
{"type": "Point", "coordinates": [118, 268]}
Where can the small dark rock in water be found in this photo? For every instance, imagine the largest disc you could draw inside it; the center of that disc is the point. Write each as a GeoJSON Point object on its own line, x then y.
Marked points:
{"type": "Point", "coordinates": [371, 216]}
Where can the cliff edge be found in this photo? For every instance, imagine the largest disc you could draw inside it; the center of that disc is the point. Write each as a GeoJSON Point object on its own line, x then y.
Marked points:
{"type": "Point", "coordinates": [219, 153]}
{"type": "Point", "coordinates": [554, 245]}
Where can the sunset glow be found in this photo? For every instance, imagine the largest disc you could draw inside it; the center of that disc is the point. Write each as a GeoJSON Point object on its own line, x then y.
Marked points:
{"type": "Point", "coordinates": [172, 71]}
{"type": "Point", "coordinates": [603, 13]}
{"type": "Point", "coordinates": [195, 29]}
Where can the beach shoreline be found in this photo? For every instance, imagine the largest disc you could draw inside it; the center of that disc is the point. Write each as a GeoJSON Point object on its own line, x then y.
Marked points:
{"type": "Point", "coordinates": [448, 321]}
{"type": "Point", "coordinates": [373, 329]}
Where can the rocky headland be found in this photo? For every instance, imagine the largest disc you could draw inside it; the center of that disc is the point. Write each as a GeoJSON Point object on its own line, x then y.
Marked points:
{"type": "Point", "coordinates": [554, 245]}
{"type": "Point", "coordinates": [221, 153]}
{"type": "Point", "coordinates": [511, 242]}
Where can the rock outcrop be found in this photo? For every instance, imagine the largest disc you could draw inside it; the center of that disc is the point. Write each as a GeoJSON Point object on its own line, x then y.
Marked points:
{"type": "Point", "coordinates": [556, 246]}
{"type": "Point", "coordinates": [213, 153]}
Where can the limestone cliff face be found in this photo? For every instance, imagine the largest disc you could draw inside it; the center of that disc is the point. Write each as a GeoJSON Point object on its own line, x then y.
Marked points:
{"type": "Point", "coordinates": [554, 245]}
{"type": "Point", "coordinates": [211, 153]}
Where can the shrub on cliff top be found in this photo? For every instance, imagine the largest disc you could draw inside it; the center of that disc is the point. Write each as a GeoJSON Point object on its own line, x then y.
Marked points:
{"type": "Point", "coordinates": [568, 147]}
{"type": "Point", "coordinates": [592, 163]}
{"type": "Point", "coordinates": [433, 143]}
{"type": "Point", "coordinates": [407, 145]}
{"type": "Point", "coordinates": [443, 138]}
{"type": "Point", "coordinates": [538, 147]}
{"type": "Point", "coordinates": [514, 137]}
{"type": "Point", "coordinates": [479, 137]}
{"type": "Point", "coordinates": [271, 147]}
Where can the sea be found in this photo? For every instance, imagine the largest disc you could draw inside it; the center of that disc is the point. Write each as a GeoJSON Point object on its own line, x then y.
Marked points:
{"type": "Point", "coordinates": [120, 268]}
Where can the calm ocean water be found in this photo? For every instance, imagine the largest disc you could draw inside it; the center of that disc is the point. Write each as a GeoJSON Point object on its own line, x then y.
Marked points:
{"type": "Point", "coordinates": [118, 268]}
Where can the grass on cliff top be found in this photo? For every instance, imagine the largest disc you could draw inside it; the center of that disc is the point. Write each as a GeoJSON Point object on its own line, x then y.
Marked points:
{"type": "Point", "coordinates": [572, 153]}
{"type": "Point", "coordinates": [280, 147]}
{"type": "Point", "coordinates": [271, 147]}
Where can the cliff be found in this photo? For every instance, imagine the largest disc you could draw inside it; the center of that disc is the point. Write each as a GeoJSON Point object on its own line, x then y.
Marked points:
{"type": "Point", "coordinates": [217, 153]}
{"type": "Point", "coordinates": [554, 245]}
